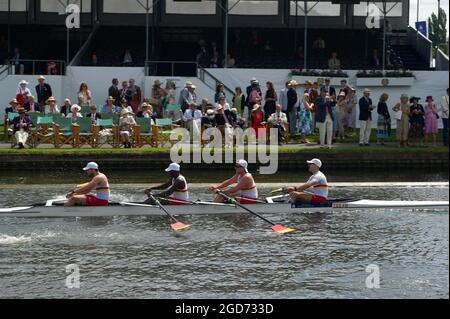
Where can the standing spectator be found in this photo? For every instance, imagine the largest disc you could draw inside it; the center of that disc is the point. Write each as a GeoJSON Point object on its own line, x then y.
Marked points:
{"type": "Point", "coordinates": [292, 111]}
{"type": "Point", "coordinates": [23, 92]}
{"type": "Point", "coordinates": [279, 121]}
{"type": "Point", "coordinates": [220, 91]}
{"type": "Point", "coordinates": [229, 61]}
{"type": "Point", "coordinates": [65, 109]}
{"type": "Point", "coordinates": [253, 83]}
{"type": "Point", "coordinates": [202, 57]}
{"type": "Point", "coordinates": [31, 105]}
{"type": "Point", "coordinates": [136, 95]}
{"type": "Point", "coordinates": [125, 93]}
{"type": "Point", "coordinates": [283, 97]}
{"type": "Point", "coordinates": [431, 120]}
{"type": "Point", "coordinates": [334, 64]}
{"type": "Point", "coordinates": [159, 96]}
{"type": "Point", "coordinates": [239, 100]}
{"type": "Point", "coordinates": [215, 60]}
{"type": "Point", "coordinates": [127, 58]}
{"type": "Point", "coordinates": [365, 118]}
{"type": "Point", "coordinates": [375, 60]}
{"type": "Point", "coordinates": [324, 118]}
{"type": "Point", "coordinates": [402, 110]}
{"type": "Point", "coordinates": [305, 123]}
{"type": "Point", "coordinates": [308, 87]}
{"type": "Point", "coordinates": [74, 114]}
{"type": "Point", "coordinates": [384, 119]}
{"type": "Point", "coordinates": [126, 123]}
{"type": "Point", "coordinates": [110, 106]}
{"type": "Point", "coordinates": [444, 115]}
{"type": "Point", "coordinates": [314, 92]}
{"type": "Point", "coordinates": [114, 91]}
{"type": "Point", "coordinates": [51, 107]}
{"type": "Point", "coordinates": [417, 121]}
{"type": "Point", "coordinates": [340, 115]}
{"type": "Point", "coordinates": [254, 96]}
{"type": "Point", "coordinates": [21, 126]}
{"type": "Point", "coordinates": [93, 114]}
{"type": "Point", "coordinates": [184, 96]}
{"type": "Point", "coordinates": [270, 100]}
{"type": "Point", "coordinates": [43, 91]}
{"type": "Point", "coordinates": [352, 101]}
{"type": "Point", "coordinates": [84, 95]}
{"type": "Point", "coordinates": [344, 87]}
{"type": "Point", "coordinates": [16, 61]}
{"type": "Point", "coordinates": [329, 89]}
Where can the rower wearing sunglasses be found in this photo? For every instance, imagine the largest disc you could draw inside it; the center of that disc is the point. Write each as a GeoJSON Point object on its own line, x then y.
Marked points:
{"type": "Point", "coordinates": [245, 190]}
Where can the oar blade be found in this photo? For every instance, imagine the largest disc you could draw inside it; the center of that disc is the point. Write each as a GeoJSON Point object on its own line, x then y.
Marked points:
{"type": "Point", "coordinates": [282, 230]}
{"type": "Point", "coordinates": [179, 226]}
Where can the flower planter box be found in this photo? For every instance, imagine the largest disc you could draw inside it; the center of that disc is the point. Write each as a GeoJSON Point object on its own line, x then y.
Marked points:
{"type": "Point", "coordinates": [334, 81]}
{"type": "Point", "coordinates": [368, 82]}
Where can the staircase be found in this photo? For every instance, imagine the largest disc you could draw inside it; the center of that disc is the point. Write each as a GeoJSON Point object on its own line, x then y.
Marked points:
{"type": "Point", "coordinates": [410, 58]}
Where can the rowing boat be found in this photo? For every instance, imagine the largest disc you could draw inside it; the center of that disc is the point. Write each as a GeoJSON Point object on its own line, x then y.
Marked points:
{"type": "Point", "coordinates": [55, 208]}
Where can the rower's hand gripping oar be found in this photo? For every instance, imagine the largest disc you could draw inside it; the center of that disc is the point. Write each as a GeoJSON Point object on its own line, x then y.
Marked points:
{"type": "Point", "coordinates": [279, 229]}
{"type": "Point", "coordinates": [177, 226]}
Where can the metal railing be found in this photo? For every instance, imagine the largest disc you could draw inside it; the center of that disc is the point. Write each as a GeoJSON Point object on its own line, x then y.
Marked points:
{"type": "Point", "coordinates": [171, 68]}
{"type": "Point", "coordinates": [441, 61]}
{"type": "Point", "coordinates": [212, 82]}
{"type": "Point", "coordinates": [35, 67]}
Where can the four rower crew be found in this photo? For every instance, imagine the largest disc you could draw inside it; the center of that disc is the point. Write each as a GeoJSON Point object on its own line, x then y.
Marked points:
{"type": "Point", "coordinates": [176, 189]}
{"type": "Point", "coordinates": [98, 184]}
{"type": "Point", "coordinates": [245, 190]}
{"type": "Point", "coordinates": [317, 181]}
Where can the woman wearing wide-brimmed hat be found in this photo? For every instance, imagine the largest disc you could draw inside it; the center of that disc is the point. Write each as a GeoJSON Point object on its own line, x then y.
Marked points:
{"type": "Point", "coordinates": [110, 106]}
{"type": "Point", "coordinates": [126, 123]}
{"type": "Point", "coordinates": [23, 92]}
{"type": "Point", "coordinates": [51, 107]}
{"type": "Point", "coordinates": [431, 120]}
{"type": "Point", "coordinates": [403, 112]}
{"type": "Point", "coordinates": [257, 120]}
{"type": "Point", "coordinates": [417, 121]}
{"type": "Point", "coordinates": [384, 119]}
{"type": "Point", "coordinates": [74, 114]}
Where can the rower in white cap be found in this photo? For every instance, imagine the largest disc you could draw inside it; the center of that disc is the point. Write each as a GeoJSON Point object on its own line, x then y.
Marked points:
{"type": "Point", "coordinates": [317, 181]}
{"type": "Point", "coordinates": [98, 184]}
{"type": "Point", "coordinates": [245, 190]}
{"type": "Point", "coordinates": [174, 192]}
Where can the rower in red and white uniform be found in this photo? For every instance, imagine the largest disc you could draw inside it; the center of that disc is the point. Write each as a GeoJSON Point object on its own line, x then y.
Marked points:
{"type": "Point", "coordinates": [318, 182]}
{"type": "Point", "coordinates": [99, 185]}
{"type": "Point", "coordinates": [245, 190]}
{"type": "Point", "coordinates": [175, 191]}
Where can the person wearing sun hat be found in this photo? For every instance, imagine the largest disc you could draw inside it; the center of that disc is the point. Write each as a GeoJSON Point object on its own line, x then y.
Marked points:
{"type": "Point", "coordinates": [74, 114]}
{"type": "Point", "coordinates": [51, 107]}
{"type": "Point", "coordinates": [403, 113]}
{"type": "Point", "coordinates": [417, 121]}
{"type": "Point", "coordinates": [318, 182]}
{"type": "Point", "coordinates": [292, 111]}
{"type": "Point", "coordinates": [43, 91]}
{"type": "Point", "coordinates": [126, 123]}
{"type": "Point", "coordinates": [244, 190]}
{"type": "Point", "coordinates": [99, 184]}
{"type": "Point", "coordinates": [365, 118]}
{"type": "Point", "coordinates": [110, 106]}
{"type": "Point", "coordinates": [21, 126]}
{"type": "Point", "coordinates": [175, 191]}
{"type": "Point", "coordinates": [431, 120]}
{"type": "Point", "coordinates": [23, 92]}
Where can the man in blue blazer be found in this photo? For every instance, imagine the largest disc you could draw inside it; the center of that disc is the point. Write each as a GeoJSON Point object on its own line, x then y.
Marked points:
{"type": "Point", "coordinates": [365, 117]}
{"type": "Point", "coordinates": [324, 117]}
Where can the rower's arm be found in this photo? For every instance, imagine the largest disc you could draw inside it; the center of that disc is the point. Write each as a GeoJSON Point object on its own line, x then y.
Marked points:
{"type": "Point", "coordinates": [306, 186]}
{"type": "Point", "coordinates": [87, 188]}
{"type": "Point", "coordinates": [163, 186]}
{"type": "Point", "coordinates": [228, 182]}
{"type": "Point", "coordinates": [245, 183]}
{"type": "Point", "coordinates": [177, 185]}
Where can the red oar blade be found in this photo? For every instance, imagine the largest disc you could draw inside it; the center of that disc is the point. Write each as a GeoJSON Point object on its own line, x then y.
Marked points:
{"type": "Point", "coordinates": [179, 226]}
{"type": "Point", "coordinates": [280, 229]}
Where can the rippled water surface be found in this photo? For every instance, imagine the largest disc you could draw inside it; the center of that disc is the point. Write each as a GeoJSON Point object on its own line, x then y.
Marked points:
{"type": "Point", "coordinates": [227, 256]}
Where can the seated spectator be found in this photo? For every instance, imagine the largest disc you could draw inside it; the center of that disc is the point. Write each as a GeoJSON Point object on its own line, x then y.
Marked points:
{"type": "Point", "coordinates": [127, 58]}
{"type": "Point", "coordinates": [124, 106]}
{"type": "Point", "coordinates": [209, 119]}
{"type": "Point", "coordinates": [94, 115]}
{"type": "Point", "coordinates": [319, 47]}
{"type": "Point", "coordinates": [14, 106]}
{"type": "Point", "coordinates": [51, 107]}
{"type": "Point", "coordinates": [215, 60]}
{"type": "Point", "coordinates": [192, 117]}
{"type": "Point", "coordinates": [222, 118]}
{"type": "Point", "coordinates": [74, 114]}
{"type": "Point", "coordinates": [146, 112]}
{"type": "Point", "coordinates": [202, 57]}
{"type": "Point", "coordinates": [279, 121]}
{"type": "Point", "coordinates": [334, 63]}
{"type": "Point", "coordinates": [222, 102]}
{"type": "Point", "coordinates": [31, 105]}
{"type": "Point", "coordinates": [21, 126]}
{"type": "Point", "coordinates": [94, 59]}
{"type": "Point", "coordinates": [126, 123]}
{"type": "Point", "coordinates": [110, 106]}
{"type": "Point", "coordinates": [229, 61]}
{"type": "Point", "coordinates": [65, 109]}
{"type": "Point", "coordinates": [238, 119]}
{"type": "Point", "coordinates": [203, 105]}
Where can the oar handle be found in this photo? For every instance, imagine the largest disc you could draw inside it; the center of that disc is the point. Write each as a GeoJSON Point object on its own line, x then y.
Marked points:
{"type": "Point", "coordinates": [162, 207]}
{"type": "Point", "coordinates": [235, 202]}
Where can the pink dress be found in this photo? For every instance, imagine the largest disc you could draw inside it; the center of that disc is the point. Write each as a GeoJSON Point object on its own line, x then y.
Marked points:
{"type": "Point", "coordinates": [431, 122]}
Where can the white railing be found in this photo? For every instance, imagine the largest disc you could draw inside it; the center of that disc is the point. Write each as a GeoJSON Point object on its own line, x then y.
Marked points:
{"type": "Point", "coordinates": [441, 61]}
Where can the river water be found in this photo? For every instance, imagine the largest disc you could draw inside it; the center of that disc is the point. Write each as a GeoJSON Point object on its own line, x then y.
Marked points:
{"type": "Point", "coordinates": [227, 256]}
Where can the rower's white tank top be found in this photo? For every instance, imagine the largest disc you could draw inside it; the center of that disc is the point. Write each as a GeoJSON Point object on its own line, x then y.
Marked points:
{"type": "Point", "coordinates": [103, 192]}
{"type": "Point", "coordinates": [180, 194]}
{"type": "Point", "coordinates": [251, 192]}
{"type": "Point", "coordinates": [321, 187]}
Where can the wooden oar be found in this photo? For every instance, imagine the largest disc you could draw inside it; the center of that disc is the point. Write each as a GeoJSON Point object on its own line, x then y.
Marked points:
{"type": "Point", "coordinates": [280, 229]}
{"type": "Point", "coordinates": [177, 226]}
